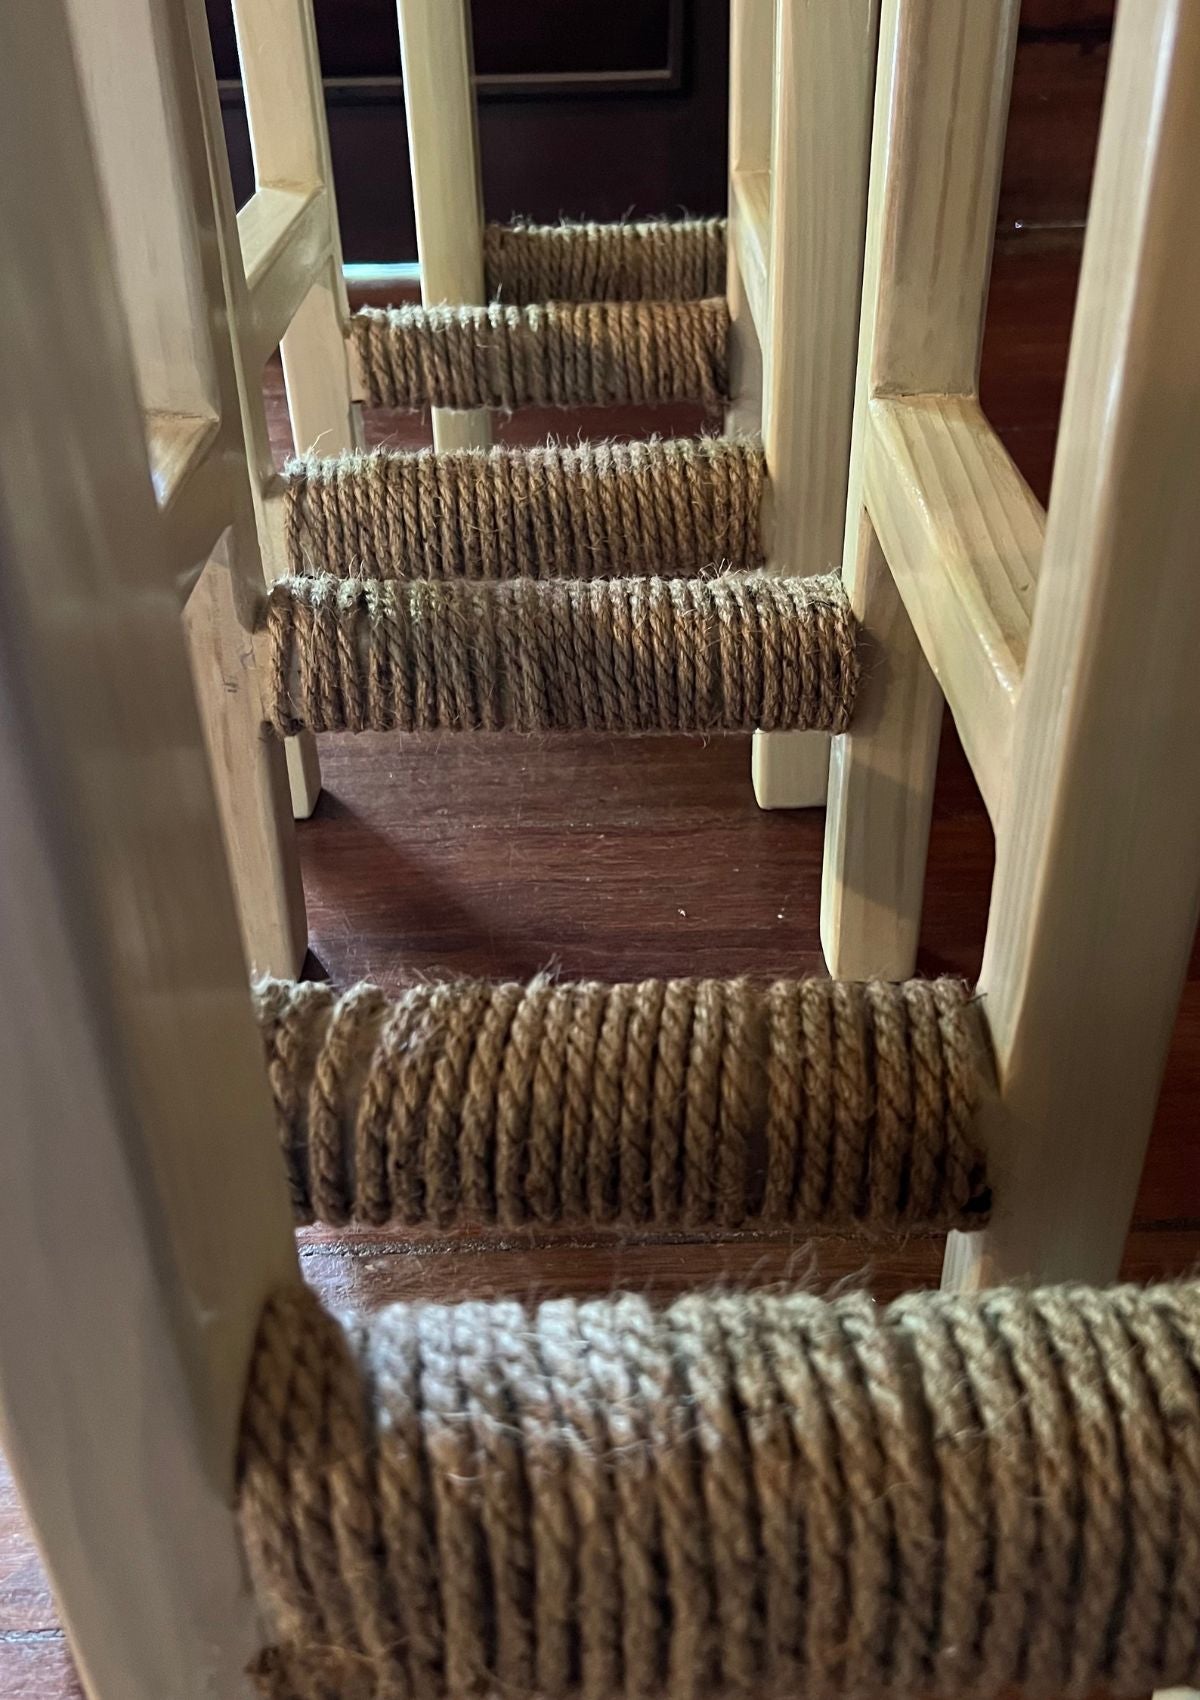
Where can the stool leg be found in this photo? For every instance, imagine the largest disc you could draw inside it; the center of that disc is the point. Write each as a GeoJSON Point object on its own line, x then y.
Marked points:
{"type": "Point", "coordinates": [1097, 887]}
{"type": "Point", "coordinates": [941, 105]}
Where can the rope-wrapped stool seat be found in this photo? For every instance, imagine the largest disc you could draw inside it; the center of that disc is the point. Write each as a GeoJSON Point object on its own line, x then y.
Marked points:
{"type": "Point", "coordinates": [559, 354]}
{"type": "Point", "coordinates": [651, 260]}
{"type": "Point", "coordinates": [755, 1494]}
{"type": "Point", "coordinates": [837, 1107]}
{"type": "Point", "coordinates": [725, 654]}
{"type": "Point", "coordinates": [587, 510]}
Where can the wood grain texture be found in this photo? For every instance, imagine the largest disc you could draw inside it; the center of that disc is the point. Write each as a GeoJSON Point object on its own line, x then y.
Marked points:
{"type": "Point", "coordinates": [750, 234]}
{"type": "Point", "coordinates": [1098, 865]}
{"type": "Point", "coordinates": [823, 89]}
{"type": "Point", "coordinates": [284, 238]}
{"type": "Point", "coordinates": [940, 107]}
{"type": "Point", "coordinates": [962, 533]}
{"type": "Point", "coordinates": [439, 107]}
{"type": "Point", "coordinates": [281, 76]}
{"type": "Point", "coordinates": [171, 246]}
{"type": "Point", "coordinates": [295, 296]}
{"type": "Point", "coordinates": [120, 1386]}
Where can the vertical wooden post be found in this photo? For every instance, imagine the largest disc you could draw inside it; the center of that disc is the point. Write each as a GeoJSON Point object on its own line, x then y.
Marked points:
{"type": "Point", "coordinates": [751, 51]}
{"type": "Point", "coordinates": [941, 106]}
{"type": "Point", "coordinates": [443, 152]}
{"type": "Point", "coordinates": [1097, 886]}
{"type": "Point", "coordinates": [285, 112]}
{"type": "Point", "coordinates": [152, 152]}
{"type": "Point", "coordinates": [823, 84]}
{"type": "Point", "coordinates": [143, 1213]}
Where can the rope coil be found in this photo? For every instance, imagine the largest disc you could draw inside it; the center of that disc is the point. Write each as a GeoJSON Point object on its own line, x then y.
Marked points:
{"type": "Point", "coordinates": [590, 510]}
{"type": "Point", "coordinates": [724, 654]}
{"type": "Point", "coordinates": [652, 260]}
{"type": "Point", "coordinates": [558, 354]}
{"type": "Point", "coordinates": [755, 1494]}
{"type": "Point", "coordinates": [829, 1105]}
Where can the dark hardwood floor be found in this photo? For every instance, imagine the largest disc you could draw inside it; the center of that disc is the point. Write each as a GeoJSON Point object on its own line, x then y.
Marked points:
{"type": "Point", "coordinates": [610, 857]}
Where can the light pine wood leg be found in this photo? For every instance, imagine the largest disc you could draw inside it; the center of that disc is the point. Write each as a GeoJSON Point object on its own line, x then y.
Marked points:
{"type": "Point", "coordinates": [143, 1209]}
{"type": "Point", "coordinates": [325, 420]}
{"type": "Point", "coordinates": [797, 182]}
{"type": "Point", "coordinates": [249, 774]}
{"type": "Point", "coordinates": [172, 234]}
{"type": "Point", "coordinates": [880, 787]}
{"type": "Point", "coordinates": [790, 770]}
{"type": "Point", "coordinates": [439, 105]}
{"type": "Point", "coordinates": [1097, 886]}
{"type": "Point", "coordinates": [285, 110]}
{"type": "Point", "coordinates": [940, 112]}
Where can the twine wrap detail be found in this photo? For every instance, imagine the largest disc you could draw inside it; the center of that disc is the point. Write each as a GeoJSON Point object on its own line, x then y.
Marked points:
{"type": "Point", "coordinates": [757, 1494]}
{"type": "Point", "coordinates": [587, 510]}
{"type": "Point", "coordinates": [558, 354]}
{"type": "Point", "coordinates": [726, 654]}
{"type": "Point", "coordinates": [654, 260]}
{"type": "Point", "coordinates": [834, 1106]}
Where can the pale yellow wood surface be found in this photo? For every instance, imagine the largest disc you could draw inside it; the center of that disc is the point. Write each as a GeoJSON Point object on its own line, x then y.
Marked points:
{"type": "Point", "coordinates": [743, 413]}
{"type": "Point", "coordinates": [316, 370]}
{"type": "Point", "coordinates": [820, 144]}
{"type": "Point", "coordinates": [439, 106]}
{"type": "Point", "coordinates": [285, 110]}
{"type": "Point", "coordinates": [798, 223]}
{"type": "Point", "coordinates": [136, 1116]}
{"type": "Point", "coordinates": [249, 777]}
{"type": "Point", "coordinates": [751, 77]}
{"type": "Point", "coordinates": [200, 105]}
{"type": "Point", "coordinates": [750, 224]}
{"type": "Point", "coordinates": [286, 124]}
{"type": "Point", "coordinates": [865, 932]}
{"type": "Point", "coordinates": [940, 109]}
{"type": "Point", "coordinates": [177, 446]}
{"type": "Point", "coordinates": [165, 222]}
{"type": "Point", "coordinates": [155, 233]}
{"type": "Point", "coordinates": [283, 235]}
{"type": "Point", "coordinates": [294, 296]}
{"type": "Point", "coordinates": [962, 533]}
{"type": "Point", "coordinates": [751, 49]}
{"type": "Point", "coordinates": [1097, 883]}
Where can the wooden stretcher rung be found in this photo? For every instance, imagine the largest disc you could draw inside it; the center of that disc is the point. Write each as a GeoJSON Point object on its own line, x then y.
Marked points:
{"type": "Point", "coordinates": [962, 532]}
{"type": "Point", "coordinates": [285, 239]}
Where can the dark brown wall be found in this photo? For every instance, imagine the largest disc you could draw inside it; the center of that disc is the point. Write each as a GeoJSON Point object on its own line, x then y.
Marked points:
{"type": "Point", "coordinates": [607, 107]}
{"type": "Point", "coordinates": [596, 108]}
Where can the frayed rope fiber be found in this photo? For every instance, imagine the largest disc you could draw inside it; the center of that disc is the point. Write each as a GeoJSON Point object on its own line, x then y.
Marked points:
{"type": "Point", "coordinates": [725, 654]}
{"type": "Point", "coordinates": [740, 1494]}
{"type": "Point", "coordinates": [653, 260]}
{"type": "Point", "coordinates": [559, 354]}
{"type": "Point", "coordinates": [834, 1106]}
{"type": "Point", "coordinates": [586, 510]}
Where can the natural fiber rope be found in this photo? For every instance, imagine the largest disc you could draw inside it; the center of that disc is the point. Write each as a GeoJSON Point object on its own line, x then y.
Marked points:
{"type": "Point", "coordinates": [658, 260]}
{"type": "Point", "coordinates": [759, 1494]}
{"type": "Point", "coordinates": [834, 1106]}
{"type": "Point", "coordinates": [590, 510]}
{"type": "Point", "coordinates": [555, 355]}
{"type": "Point", "coordinates": [621, 655]}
